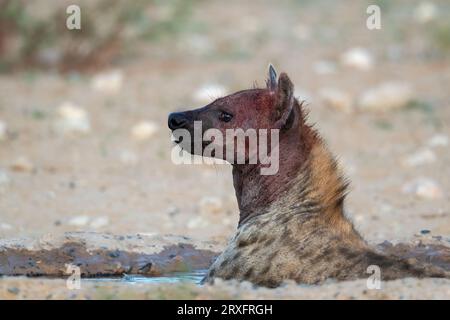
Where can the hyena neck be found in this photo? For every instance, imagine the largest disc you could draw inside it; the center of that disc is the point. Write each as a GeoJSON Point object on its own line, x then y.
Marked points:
{"type": "Point", "coordinates": [307, 180]}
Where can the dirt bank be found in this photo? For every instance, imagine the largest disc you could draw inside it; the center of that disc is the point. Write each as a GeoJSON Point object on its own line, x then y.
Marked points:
{"type": "Point", "coordinates": [104, 255]}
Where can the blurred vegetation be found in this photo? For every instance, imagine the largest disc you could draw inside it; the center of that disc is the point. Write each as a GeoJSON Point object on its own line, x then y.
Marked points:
{"type": "Point", "coordinates": [35, 34]}
{"type": "Point", "coordinates": [440, 33]}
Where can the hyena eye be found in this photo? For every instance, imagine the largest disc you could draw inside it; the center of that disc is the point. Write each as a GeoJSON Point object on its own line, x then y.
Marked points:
{"type": "Point", "coordinates": [225, 117]}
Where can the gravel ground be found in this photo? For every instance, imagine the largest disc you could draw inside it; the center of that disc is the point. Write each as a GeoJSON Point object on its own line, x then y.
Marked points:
{"type": "Point", "coordinates": [36, 288]}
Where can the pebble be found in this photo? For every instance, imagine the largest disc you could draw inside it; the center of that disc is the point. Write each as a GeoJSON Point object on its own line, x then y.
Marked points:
{"type": "Point", "coordinates": [423, 188]}
{"type": "Point", "coordinates": [249, 24]}
{"type": "Point", "coordinates": [423, 234]}
{"type": "Point", "coordinates": [108, 82]}
{"type": "Point", "coordinates": [197, 222]}
{"type": "Point", "coordinates": [172, 211]}
{"type": "Point", "coordinates": [421, 157]}
{"type": "Point", "coordinates": [22, 164]}
{"type": "Point", "coordinates": [209, 92]}
{"type": "Point", "coordinates": [302, 32]}
{"type": "Point", "coordinates": [144, 130]}
{"type": "Point", "coordinates": [425, 12]}
{"type": "Point", "coordinates": [5, 226]}
{"type": "Point", "coordinates": [99, 222]}
{"type": "Point", "coordinates": [49, 57]}
{"type": "Point", "coordinates": [358, 58]}
{"type": "Point", "coordinates": [197, 44]}
{"type": "Point", "coordinates": [14, 290]}
{"type": "Point", "coordinates": [210, 205]}
{"type": "Point", "coordinates": [4, 178]}
{"type": "Point", "coordinates": [385, 97]}
{"type": "Point", "coordinates": [337, 99]}
{"type": "Point", "coordinates": [438, 140]}
{"type": "Point", "coordinates": [72, 119]}
{"type": "Point", "coordinates": [324, 67]}
{"type": "Point", "coordinates": [79, 221]}
{"type": "Point", "coordinates": [128, 157]}
{"type": "Point", "coordinates": [3, 131]}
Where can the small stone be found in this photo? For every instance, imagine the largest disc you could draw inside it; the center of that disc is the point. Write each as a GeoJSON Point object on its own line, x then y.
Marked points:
{"type": "Point", "coordinates": [49, 57]}
{"type": "Point", "coordinates": [72, 119]}
{"type": "Point", "coordinates": [4, 178]}
{"type": "Point", "coordinates": [423, 188]}
{"type": "Point", "coordinates": [210, 205]}
{"type": "Point", "coordinates": [337, 99]}
{"type": "Point", "coordinates": [79, 221]}
{"type": "Point", "coordinates": [144, 130]}
{"type": "Point", "coordinates": [227, 221]}
{"type": "Point", "coordinates": [425, 12]}
{"type": "Point", "coordinates": [249, 24]}
{"type": "Point", "coordinates": [209, 92]}
{"type": "Point", "coordinates": [358, 58]}
{"type": "Point", "coordinates": [22, 164]}
{"type": "Point", "coordinates": [14, 290]}
{"type": "Point", "coordinates": [385, 97]}
{"type": "Point", "coordinates": [197, 222]}
{"type": "Point", "coordinates": [173, 210]}
{"type": "Point", "coordinates": [302, 31]}
{"type": "Point", "coordinates": [425, 231]}
{"type": "Point", "coordinates": [421, 157]}
{"type": "Point", "coordinates": [439, 140]}
{"type": "Point", "coordinates": [5, 226]}
{"type": "Point", "coordinates": [114, 254]}
{"type": "Point", "coordinates": [128, 157]}
{"type": "Point", "coordinates": [108, 82]}
{"type": "Point", "coordinates": [3, 130]}
{"type": "Point", "coordinates": [197, 44]}
{"type": "Point", "coordinates": [99, 222]}
{"type": "Point", "coordinates": [324, 67]}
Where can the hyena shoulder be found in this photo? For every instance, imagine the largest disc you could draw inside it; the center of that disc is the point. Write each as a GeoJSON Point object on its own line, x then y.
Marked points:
{"type": "Point", "coordinates": [267, 252]}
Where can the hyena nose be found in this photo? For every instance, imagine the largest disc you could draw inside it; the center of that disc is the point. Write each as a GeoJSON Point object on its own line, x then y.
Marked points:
{"type": "Point", "coordinates": [177, 120]}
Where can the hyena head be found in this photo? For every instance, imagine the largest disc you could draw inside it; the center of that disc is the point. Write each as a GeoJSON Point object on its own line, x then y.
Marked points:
{"type": "Point", "coordinates": [248, 112]}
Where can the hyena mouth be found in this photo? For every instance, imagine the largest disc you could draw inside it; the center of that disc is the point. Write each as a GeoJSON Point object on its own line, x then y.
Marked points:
{"type": "Point", "coordinates": [177, 140]}
{"type": "Point", "coordinates": [191, 146]}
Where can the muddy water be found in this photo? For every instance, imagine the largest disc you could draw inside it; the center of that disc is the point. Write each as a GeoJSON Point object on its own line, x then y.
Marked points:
{"type": "Point", "coordinates": [176, 277]}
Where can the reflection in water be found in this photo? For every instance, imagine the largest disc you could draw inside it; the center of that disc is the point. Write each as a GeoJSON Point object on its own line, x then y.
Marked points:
{"type": "Point", "coordinates": [193, 277]}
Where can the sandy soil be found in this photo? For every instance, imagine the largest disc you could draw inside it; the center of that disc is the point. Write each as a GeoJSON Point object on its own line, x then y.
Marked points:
{"type": "Point", "coordinates": [106, 180]}
{"type": "Point", "coordinates": [36, 288]}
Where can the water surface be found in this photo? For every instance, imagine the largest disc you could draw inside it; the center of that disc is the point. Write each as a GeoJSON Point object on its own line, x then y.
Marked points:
{"type": "Point", "coordinates": [190, 277]}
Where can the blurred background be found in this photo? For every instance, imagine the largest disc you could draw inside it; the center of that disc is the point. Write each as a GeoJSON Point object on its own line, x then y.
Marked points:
{"type": "Point", "coordinates": [83, 137]}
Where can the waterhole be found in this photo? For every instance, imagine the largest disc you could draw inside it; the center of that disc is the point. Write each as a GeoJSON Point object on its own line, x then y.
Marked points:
{"type": "Point", "coordinates": [190, 277]}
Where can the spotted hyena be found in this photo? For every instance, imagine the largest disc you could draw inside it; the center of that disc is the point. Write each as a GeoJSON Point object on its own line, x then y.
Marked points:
{"type": "Point", "coordinates": [292, 223]}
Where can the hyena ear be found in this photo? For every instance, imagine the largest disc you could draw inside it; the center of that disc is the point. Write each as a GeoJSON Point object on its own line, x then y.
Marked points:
{"type": "Point", "coordinates": [271, 81]}
{"type": "Point", "coordinates": [285, 100]}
